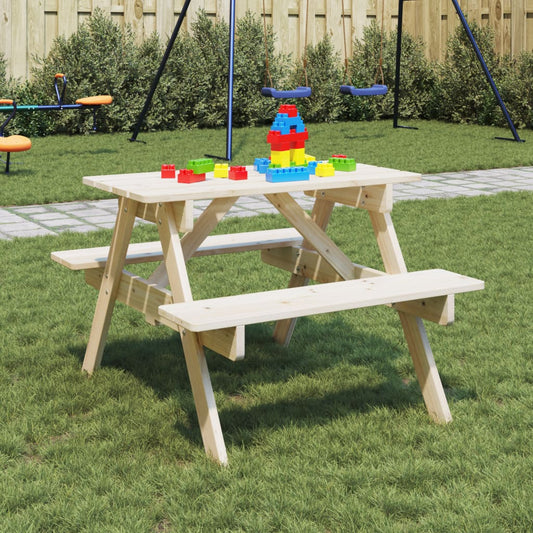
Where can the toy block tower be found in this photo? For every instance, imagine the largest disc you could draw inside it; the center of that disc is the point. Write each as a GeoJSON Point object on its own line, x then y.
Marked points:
{"type": "Point", "coordinates": [287, 138]}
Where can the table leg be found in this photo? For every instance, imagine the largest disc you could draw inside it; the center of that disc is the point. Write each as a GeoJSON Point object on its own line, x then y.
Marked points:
{"type": "Point", "coordinates": [413, 327]}
{"type": "Point", "coordinates": [202, 390]}
{"type": "Point", "coordinates": [321, 214]}
{"type": "Point", "coordinates": [108, 289]}
{"type": "Point", "coordinates": [206, 222]}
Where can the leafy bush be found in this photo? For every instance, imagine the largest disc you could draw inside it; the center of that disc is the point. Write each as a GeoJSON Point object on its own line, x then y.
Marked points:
{"type": "Point", "coordinates": [102, 58]}
{"type": "Point", "coordinates": [516, 89]}
{"type": "Point", "coordinates": [418, 76]}
{"type": "Point", "coordinates": [465, 95]}
{"type": "Point", "coordinates": [324, 76]}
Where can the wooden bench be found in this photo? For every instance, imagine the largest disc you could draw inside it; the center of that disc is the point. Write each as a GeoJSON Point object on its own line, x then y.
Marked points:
{"type": "Point", "coordinates": [88, 258]}
{"type": "Point", "coordinates": [241, 310]}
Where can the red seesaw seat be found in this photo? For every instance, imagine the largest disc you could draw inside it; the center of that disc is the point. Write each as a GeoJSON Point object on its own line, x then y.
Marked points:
{"type": "Point", "coordinates": [13, 143]}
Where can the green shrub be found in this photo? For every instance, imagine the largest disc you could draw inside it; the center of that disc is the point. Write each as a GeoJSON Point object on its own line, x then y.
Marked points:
{"type": "Point", "coordinates": [102, 58]}
{"type": "Point", "coordinates": [465, 95]}
{"type": "Point", "coordinates": [516, 89]}
{"type": "Point", "coordinates": [250, 72]}
{"type": "Point", "coordinates": [418, 76]}
{"type": "Point", "coordinates": [324, 76]}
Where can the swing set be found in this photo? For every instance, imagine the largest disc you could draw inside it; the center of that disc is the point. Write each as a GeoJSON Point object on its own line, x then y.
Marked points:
{"type": "Point", "coordinates": [377, 89]}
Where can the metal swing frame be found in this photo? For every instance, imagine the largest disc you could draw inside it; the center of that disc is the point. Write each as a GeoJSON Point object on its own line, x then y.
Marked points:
{"type": "Point", "coordinates": [479, 57]}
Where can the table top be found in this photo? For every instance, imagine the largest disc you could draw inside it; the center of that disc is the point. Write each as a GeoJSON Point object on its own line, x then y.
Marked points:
{"type": "Point", "coordinates": [149, 187]}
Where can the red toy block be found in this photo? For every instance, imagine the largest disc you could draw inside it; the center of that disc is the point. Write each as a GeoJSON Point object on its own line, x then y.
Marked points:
{"type": "Point", "coordinates": [238, 173]}
{"type": "Point", "coordinates": [168, 172]}
{"type": "Point", "coordinates": [288, 109]}
{"type": "Point", "coordinates": [275, 138]}
{"type": "Point", "coordinates": [188, 176]}
{"type": "Point", "coordinates": [339, 155]}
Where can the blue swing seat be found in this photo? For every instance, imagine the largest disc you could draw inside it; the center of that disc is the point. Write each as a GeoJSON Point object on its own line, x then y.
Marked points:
{"type": "Point", "coordinates": [375, 90]}
{"type": "Point", "coordinates": [299, 92]}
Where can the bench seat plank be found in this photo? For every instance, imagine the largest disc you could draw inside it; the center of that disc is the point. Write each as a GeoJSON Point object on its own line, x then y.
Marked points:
{"type": "Point", "coordinates": [146, 252]}
{"type": "Point", "coordinates": [203, 315]}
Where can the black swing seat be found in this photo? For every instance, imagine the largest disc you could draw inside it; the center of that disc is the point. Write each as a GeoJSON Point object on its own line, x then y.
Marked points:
{"type": "Point", "coordinates": [299, 92]}
{"type": "Point", "coordinates": [375, 90]}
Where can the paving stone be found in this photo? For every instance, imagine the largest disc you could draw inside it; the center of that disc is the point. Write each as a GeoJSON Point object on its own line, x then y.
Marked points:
{"type": "Point", "coordinates": [49, 216]}
{"type": "Point", "coordinates": [30, 209]}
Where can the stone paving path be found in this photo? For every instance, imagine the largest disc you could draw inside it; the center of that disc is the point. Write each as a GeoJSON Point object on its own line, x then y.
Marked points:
{"type": "Point", "coordinates": [53, 219]}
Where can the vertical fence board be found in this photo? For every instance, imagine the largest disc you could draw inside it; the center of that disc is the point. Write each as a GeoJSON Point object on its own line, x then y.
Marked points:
{"type": "Point", "coordinates": [5, 31]}
{"type": "Point", "coordinates": [28, 28]}
{"type": "Point", "coordinates": [19, 21]}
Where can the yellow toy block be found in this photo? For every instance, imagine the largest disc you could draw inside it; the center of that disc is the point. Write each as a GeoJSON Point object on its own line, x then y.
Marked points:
{"type": "Point", "coordinates": [298, 156]}
{"type": "Point", "coordinates": [282, 158]}
{"type": "Point", "coordinates": [324, 170]}
{"type": "Point", "coordinates": [309, 158]}
{"type": "Point", "coordinates": [221, 170]}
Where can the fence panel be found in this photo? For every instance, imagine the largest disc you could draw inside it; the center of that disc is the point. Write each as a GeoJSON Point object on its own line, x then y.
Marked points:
{"type": "Point", "coordinates": [28, 29]}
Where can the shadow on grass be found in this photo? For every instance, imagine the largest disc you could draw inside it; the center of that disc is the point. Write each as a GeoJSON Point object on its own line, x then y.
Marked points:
{"type": "Point", "coordinates": [330, 370]}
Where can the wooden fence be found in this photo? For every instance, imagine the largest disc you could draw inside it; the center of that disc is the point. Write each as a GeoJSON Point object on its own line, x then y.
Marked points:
{"type": "Point", "coordinates": [29, 27]}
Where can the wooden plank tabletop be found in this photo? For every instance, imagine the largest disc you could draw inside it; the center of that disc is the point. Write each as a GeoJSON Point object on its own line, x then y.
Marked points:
{"type": "Point", "coordinates": [149, 187]}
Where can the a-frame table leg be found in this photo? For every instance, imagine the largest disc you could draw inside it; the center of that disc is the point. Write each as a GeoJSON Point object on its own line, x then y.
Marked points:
{"type": "Point", "coordinates": [202, 390]}
{"type": "Point", "coordinates": [127, 210]}
{"type": "Point", "coordinates": [413, 327]}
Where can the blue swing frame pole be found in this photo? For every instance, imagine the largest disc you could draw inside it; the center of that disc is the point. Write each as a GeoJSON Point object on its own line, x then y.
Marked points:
{"type": "Point", "coordinates": [486, 71]}
{"type": "Point", "coordinates": [229, 131]}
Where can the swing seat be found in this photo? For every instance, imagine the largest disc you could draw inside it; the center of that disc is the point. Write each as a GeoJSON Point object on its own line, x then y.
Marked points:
{"type": "Point", "coordinates": [375, 90]}
{"type": "Point", "coordinates": [103, 99]}
{"type": "Point", "coordinates": [12, 143]}
{"type": "Point", "coordinates": [299, 92]}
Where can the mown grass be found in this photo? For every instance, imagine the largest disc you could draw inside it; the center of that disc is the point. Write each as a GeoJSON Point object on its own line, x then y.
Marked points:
{"type": "Point", "coordinates": [52, 170]}
{"type": "Point", "coordinates": [330, 434]}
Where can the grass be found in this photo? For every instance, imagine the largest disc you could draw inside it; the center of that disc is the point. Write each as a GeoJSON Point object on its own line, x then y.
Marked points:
{"type": "Point", "coordinates": [329, 435]}
{"type": "Point", "coordinates": [52, 170]}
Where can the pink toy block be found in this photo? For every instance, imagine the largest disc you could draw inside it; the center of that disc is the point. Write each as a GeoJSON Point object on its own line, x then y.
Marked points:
{"type": "Point", "coordinates": [188, 176]}
{"type": "Point", "coordinates": [238, 173]}
{"type": "Point", "coordinates": [168, 171]}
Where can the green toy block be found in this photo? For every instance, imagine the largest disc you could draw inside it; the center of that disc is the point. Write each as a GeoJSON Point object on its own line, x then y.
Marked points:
{"type": "Point", "coordinates": [343, 164]}
{"type": "Point", "coordinates": [201, 166]}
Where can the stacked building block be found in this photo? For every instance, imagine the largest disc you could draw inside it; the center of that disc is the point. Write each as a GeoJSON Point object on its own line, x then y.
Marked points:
{"type": "Point", "coordinates": [287, 138]}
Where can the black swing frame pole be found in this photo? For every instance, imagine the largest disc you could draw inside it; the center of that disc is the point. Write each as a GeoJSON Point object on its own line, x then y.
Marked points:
{"type": "Point", "coordinates": [487, 73]}
{"type": "Point", "coordinates": [155, 81]}
{"type": "Point", "coordinates": [398, 69]}
{"type": "Point", "coordinates": [473, 42]}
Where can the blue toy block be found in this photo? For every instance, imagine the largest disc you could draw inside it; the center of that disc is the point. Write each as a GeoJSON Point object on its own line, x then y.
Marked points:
{"type": "Point", "coordinates": [285, 124]}
{"type": "Point", "coordinates": [261, 164]}
{"type": "Point", "coordinates": [277, 175]}
{"type": "Point", "coordinates": [311, 166]}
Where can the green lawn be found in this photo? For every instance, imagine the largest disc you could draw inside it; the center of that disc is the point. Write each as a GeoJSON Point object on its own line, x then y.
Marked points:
{"type": "Point", "coordinates": [52, 170]}
{"type": "Point", "coordinates": [328, 435]}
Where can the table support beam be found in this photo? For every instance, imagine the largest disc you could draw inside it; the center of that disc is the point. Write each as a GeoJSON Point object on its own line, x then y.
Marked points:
{"type": "Point", "coordinates": [320, 215]}
{"type": "Point", "coordinates": [413, 327]}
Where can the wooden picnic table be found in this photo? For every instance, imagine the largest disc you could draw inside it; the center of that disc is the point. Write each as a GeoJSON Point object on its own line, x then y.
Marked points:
{"type": "Point", "coordinates": [304, 250]}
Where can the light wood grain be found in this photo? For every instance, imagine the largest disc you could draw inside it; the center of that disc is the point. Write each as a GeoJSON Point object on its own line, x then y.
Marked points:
{"type": "Point", "coordinates": [146, 252]}
{"type": "Point", "coordinates": [203, 315]}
